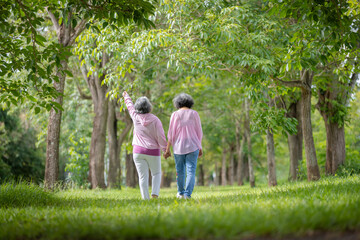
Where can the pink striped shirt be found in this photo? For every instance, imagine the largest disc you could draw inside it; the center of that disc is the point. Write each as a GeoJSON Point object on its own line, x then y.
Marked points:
{"type": "Point", "coordinates": [148, 129]}
{"type": "Point", "coordinates": [185, 133]}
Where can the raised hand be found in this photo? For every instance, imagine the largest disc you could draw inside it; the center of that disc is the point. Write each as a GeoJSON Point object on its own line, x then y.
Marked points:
{"type": "Point", "coordinates": [124, 93]}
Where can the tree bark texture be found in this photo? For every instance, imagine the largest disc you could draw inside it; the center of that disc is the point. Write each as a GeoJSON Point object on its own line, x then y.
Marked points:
{"type": "Point", "coordinates": [313, 172]}
{"type": "Point", "coordinates": [98, 144]}
{"type": "Point", "coordinates": [271, 158]}
{"type": "Point", "coordinates": [248, 138]}
{"type": "Point", "coordinates": [66, 37]}
{"type": "Point", "coordinates": [295, 141]}
{"type": "Point", "coordinates": [338, 93]}
{"type": "Point", "coordinates": [335, 133]}
{"type": "Point", "coordinates": [98, 136]}
{"type": "Point", "coordinates": [53, 133]}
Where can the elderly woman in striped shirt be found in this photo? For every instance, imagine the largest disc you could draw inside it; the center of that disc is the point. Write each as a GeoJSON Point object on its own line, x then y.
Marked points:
{"type": "Point", "coordinates": [185, 135]}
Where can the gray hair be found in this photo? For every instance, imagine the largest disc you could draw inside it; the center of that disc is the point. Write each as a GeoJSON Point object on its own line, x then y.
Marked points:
{"type": "Point", "coordinates": [183, 100]}
{"type": "Point", "coordinates": [142, 105]}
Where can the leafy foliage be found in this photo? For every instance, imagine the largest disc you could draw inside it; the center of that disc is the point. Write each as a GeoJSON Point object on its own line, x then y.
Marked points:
{"type": "Point", "coordinates": [28, 47]}
{"type": "Point", "coordinates": [19, 158]}
{"type": "Point", "coordinates": [78, 162]}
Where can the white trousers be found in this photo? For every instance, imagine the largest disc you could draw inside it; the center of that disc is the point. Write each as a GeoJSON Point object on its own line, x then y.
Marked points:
{"type": "Point", "coordinates": [143, 162]}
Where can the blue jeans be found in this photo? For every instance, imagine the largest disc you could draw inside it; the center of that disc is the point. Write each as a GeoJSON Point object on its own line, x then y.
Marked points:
{"type": "Point", "coordinates": [186, 162]}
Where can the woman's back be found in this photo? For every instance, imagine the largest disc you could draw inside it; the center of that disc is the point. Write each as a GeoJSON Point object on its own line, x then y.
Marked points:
{"type": "Point", "coordinates": [185, 131]}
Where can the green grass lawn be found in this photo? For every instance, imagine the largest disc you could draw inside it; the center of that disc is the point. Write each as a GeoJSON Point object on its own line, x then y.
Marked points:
{"type": "Point", "coordinates": [331, 205]}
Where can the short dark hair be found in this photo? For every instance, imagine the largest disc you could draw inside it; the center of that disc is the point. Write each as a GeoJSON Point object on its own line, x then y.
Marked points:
{"type": "Point", "coordinates": [142, 105]}
{"type": "Point", "coordinates": [183, 100]}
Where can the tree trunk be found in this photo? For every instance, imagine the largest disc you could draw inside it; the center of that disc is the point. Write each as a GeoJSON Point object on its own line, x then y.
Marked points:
{"type": "Point", "coordinates": [66, 37]}
{"type": "Point", "coordinates": [114, 156]}
{"type": "Point", "coordinates": [335, 92]}
{"type": "Point", "coordinates": [335, 132]}
{"type": "Point", "coordinates": [223, 164]}
{"type": "Point", "coordinates": [248, 138]}
{"type": "Point", "coordinates": [217, 174]}
{"type": "Point", "coordinates": [131, 173]}
{"type": "Point", "coordinates": [124, 117]}
{"type": "Point", "coordinates": [240, 155]}
{"type": "Point", "coordinates": [98, 136]}
{"type": "Point", "coordinates": [98, 144]}
{"type": "Point", "coordinates": [335, 147]}
{"type": "Point", "coordinates": [53, 133]}
{"type": "Point", "coordinates": [201, 181]}
{"type": "Point", "coordinates": [310, 152]}
{"type": "Point", "coordinates": [270, 149]}
{"type": "Point", "coordinates": [231, 166]}
{"type": "Point", "coordinates": [295, 141]}
{"type": "Point", "coordinates": [246, 169]}
{"type": "Point", "coordinates": [271, 158]}
{"type": "Point", "coordinates": [166, 179]}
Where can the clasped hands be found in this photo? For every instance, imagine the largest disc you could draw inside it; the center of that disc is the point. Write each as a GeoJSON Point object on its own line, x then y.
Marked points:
{"type": "Point", "coordinates": [167, 153]}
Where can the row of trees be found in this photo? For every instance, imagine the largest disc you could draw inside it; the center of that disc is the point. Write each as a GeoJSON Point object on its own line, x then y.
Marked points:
{"type": "Point", "coordinates": [251, 68]}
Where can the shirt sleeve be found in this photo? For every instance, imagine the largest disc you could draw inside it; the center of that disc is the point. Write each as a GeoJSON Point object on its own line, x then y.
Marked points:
{"type": "Point", "coordinates": [198, 128]}
{"type": "Point", "coordinates": [130, 106]}
{"type": "Point", "coordinates": [171, 132]}
{"type": "Point", "coordinates": [161, 135]}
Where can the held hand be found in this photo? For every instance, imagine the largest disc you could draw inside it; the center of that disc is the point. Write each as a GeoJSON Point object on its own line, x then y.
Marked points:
{"type": "Point", "coordinates": [167, 154]}
{"type": "Point", "coordinates": [124, 93]}
{"type": "Point", "coordinates": [200, 152]}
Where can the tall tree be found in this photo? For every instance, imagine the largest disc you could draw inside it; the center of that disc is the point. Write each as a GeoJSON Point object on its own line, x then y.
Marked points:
{"type": "Point", "coordinates": [328, 43]}
{"type": "Point", "coordinates": [98, 137]}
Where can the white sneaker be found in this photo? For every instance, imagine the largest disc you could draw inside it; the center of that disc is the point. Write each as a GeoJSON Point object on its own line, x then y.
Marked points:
{"type": "Point", "coordinates": [180, 196]}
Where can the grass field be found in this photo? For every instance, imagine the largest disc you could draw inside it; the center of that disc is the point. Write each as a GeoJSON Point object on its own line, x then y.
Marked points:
{"type": "Point", "coordinates": [329, 207]}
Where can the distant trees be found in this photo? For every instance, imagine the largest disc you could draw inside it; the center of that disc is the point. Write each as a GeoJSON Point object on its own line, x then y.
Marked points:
{"type": "Point", "coordinates": [19, 157]}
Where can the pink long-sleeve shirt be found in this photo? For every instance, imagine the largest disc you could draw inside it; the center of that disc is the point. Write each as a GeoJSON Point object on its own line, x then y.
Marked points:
{"type": "Point", "coordinates": [185, 132]}
{"type": "Point", "coordinates": [148, 130]}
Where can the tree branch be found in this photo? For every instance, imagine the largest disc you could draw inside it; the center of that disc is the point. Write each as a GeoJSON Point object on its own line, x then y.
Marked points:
{"type": "Point", "coordinates": [67, 34]}
{"type": "Point", "coordinates": [84, 72]}
{"type": "Point", "coordinates": [54, 21]}
{"type": "Point", "coordinates": [354, 78]}
{"type": "Point", "coordinates": [298, 84]}
{"type": "Point", "coordinates": [78, 29]}
{"type": "Point", "coordinates": [82, 94]}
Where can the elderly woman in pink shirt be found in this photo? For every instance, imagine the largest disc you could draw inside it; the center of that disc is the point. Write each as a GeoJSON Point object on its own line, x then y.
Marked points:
{"type": "Point", "coordinates": [185, 135]}
{"type": "Point", "coordinates": [148, 140]}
